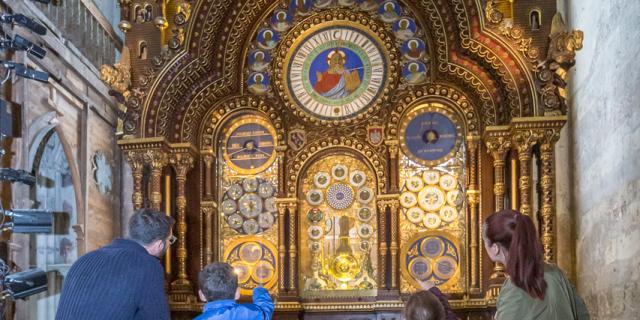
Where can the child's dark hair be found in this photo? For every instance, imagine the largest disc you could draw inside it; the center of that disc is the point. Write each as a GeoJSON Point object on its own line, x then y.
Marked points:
{"type": "Point", "coordinates": [218, 281]}
{"type": "Point", "coordinates": [424, 305]}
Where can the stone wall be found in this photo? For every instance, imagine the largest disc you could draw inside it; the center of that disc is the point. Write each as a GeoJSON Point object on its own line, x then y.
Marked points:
{"type": "Point", "coordinates": [74, 104]}
{"type": "Point", "coordinates": [605, 153]}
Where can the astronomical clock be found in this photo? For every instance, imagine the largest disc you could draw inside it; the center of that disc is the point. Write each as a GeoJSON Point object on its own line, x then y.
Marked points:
{"type": "Point", "coordinates": [342, 153]}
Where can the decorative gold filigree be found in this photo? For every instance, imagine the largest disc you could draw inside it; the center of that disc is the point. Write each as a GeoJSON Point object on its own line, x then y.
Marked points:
{"type": "Point", "coordinates": [491, 12]}
{"type": "Point", "coordinates": [118, 76]}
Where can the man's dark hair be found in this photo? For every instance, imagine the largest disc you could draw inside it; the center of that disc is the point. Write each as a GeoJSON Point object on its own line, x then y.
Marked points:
{"type": "Point", "coordinates": [218, 281]}
{"type": "Point", "coordinates": [148, 225]}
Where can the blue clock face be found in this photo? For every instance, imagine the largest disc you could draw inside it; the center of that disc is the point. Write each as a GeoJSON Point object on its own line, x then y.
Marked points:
{"type": "Point", "coordinates": [430, 136]}
{"type": "Point", "coordinates": [250, 146]}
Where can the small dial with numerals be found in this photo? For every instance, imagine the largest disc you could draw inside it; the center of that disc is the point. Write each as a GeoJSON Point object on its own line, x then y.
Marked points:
{"type": "Point", "coordinates": [250, 145]}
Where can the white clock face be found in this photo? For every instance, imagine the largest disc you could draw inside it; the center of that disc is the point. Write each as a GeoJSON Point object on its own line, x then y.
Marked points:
{"type": "Point", "coordinates": [336, 72]}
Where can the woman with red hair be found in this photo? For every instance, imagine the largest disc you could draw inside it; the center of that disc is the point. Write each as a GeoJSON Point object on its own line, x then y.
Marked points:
{"type": "Point", "coordinates": [534, 289]}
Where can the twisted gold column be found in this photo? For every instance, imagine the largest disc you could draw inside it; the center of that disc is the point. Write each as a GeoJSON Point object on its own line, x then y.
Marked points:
{"type": "Point", "coordinates": [524, 140]}
{"type": "Point", "coordinates": [293, 250]}
{"type": "Point", "coordinates": [208, 179]}
{"type": "Point", "coordinates": [209, 210]}
{"type": "Point", "coordinates": [382, 245]}
{"type": "Point", "coordinates": [282, 211]}
{"type": "Point", "coordinates": [137, 167]}
{"type": "Point", "coordinates": [547, 155]}
{"type": "Point", "coordinates": [498, 145]}
{"type": "Point", "coordinates": [394, 179]}
{"type": "Point", "coordinates": [182, 163]}
{"type": "Point", "coordinates": [473, 195]}
{"type": "Point", "coordinates": [157, 160]}
{"type": "Point", "coordinates": [394, 206]}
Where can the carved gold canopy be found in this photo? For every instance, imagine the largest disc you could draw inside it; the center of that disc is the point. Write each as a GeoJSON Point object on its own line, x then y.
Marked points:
{"type": "Point", "coordinates": [197, 71]}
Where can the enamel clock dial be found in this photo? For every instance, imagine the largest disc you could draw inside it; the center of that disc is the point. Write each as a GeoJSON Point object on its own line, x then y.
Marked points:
{"type": "Point", "coordinates": [249, 147]}
{"type": "Point", "coordinates": [336, 72]}
{"type": "Point", "coordinates": [430, 135]}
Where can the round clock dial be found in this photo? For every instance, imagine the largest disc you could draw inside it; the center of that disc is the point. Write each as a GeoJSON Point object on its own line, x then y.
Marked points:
{"type": "Point", "coordinates": [336, 72]}
{"type": "Point", "coordinates": [250, 145]}
{"type": "Point", "coordinates": [430, 135]}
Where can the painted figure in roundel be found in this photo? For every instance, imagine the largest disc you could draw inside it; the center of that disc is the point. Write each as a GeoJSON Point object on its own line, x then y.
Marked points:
{"type": "Point", "coordinates": [389, 11]}
{"type": "Point", "coordinates": [346, 2]}
{"type": "Point", "coordinates": [414, 72]}
{"type": "Point", "coordinates": [259, 60]}
{"type": "Point", "coordinates": [322, 3]}
{"type": "Point", "coordinates": [413, 49]}
{"type": "Point", "coordinates": [281, 20]}
{"type": "Point", "coordinates": [258, 82]}
{"type": "Point", "coordinates": [336, 73]}
{"type": "Point", "coordinates": [404, 28]}
{"type": "Point", "coordinates": [368, 5]}
{"type": "Point", "coordinates": [302, 7]}
{"type": "Point", "coordinates": [267, 39]}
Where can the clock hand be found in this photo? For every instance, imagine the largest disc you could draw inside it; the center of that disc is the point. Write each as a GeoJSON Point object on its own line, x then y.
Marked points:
{"type": "Point", "coordinates": [265, 153]}
{"type": "Point", "coordinates": [233, 153]}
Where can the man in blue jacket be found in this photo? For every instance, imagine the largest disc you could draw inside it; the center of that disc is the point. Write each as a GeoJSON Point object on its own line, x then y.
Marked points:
{"type": "Point", "coordinates": [219, 288]}
{"type": "Point", "coordinates": [123, 280]}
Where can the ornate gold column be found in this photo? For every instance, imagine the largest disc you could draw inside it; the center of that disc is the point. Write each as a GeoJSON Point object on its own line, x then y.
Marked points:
{"type": "Point", "coordinates": [182, 164]}
{"type": "Point", "coordinates": [167, 210]}
{"type": "Point", "coordinates": [394, 180]}
{"type": "Point", "coordinates": [137, 167]}
{"type": "Point", "coordinates": [382, 244]}
{"type": "Point", "coordinates": [282, 211]}
{"type": "Point", "coordinates": [280, 155]}
{"type": "Point", "coordinates": [498, 145]}
{"type": "Point", "coordinates": [209, 211]}
{"type": "Point", "coordinates": [547, 155]}
{"type": "Point", "coordinates": [157, 160]}
{"type": "Point", "coordinates": [523, 141]}
{"type": "Point", "coordinates": [293, 250]}
{"type": "Point", "coordinates": [545, 131]}
{"type": "Point", "coordinates": [473, 196]}
{"type": "Point", "coordinates": [207, 157]}
{"type": "Point", "coordinates": [394, 208]}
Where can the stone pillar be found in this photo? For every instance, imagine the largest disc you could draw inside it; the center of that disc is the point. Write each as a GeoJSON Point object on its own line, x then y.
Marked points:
{"type": "Point", "coordinates": [523, 141]}
{"type": "Point", "coordinates": [182, 164]}
{"type": "Point", "coordinates": [547, 155]}
{"type": "Point", "coordinates": [473, 196]}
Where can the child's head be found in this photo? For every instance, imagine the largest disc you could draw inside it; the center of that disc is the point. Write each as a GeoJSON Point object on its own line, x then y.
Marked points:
{"type": "Point", "coordinates": [423, 305]}
{"type": "Point", "coordinates": [218, 281]}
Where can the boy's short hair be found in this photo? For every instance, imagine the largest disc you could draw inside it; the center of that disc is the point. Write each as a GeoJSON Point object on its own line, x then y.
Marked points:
{"type": "Point", "coordinates": [218, 281]}
{"type": "Point", "coordinates": [424, 305]}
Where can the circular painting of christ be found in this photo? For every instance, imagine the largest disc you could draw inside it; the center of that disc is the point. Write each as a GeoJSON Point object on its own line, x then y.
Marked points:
{"type": "Point", "coordinates": [336, 72]}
